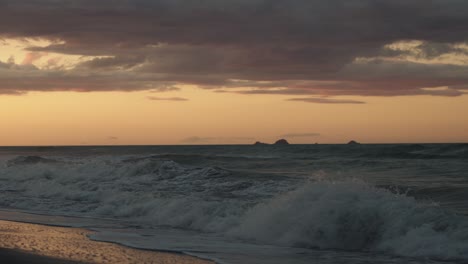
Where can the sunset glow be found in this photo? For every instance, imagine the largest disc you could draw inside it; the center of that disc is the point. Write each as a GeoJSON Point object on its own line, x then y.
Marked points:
{"type": "Point", "coordinates": [84, 82]}
{"type": "Point", "coordinates": [234, 131]}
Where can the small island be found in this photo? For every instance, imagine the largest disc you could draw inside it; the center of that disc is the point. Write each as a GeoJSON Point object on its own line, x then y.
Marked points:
{"type": "Point", "coordinates": [278, 142]}
{"type": "Point", "coordinates": [282, 142]}
{"type": "Point", "coordinates": [352, 142]}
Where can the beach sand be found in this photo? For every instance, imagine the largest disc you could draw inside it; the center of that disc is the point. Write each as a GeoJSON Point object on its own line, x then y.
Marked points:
{"type": "Point", "coordinates": [8, 256]}
{"type": "Point", "coordinates": [31, 243]}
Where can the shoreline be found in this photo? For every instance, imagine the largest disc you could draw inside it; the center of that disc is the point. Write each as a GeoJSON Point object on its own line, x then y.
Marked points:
{"type": "Point", "coordinates": [11, 256]}
{"type": "Point", "coordinates": [37, 243]}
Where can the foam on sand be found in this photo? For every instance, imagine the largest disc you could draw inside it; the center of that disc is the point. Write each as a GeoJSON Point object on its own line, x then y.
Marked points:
{"type": "Point", "coordinates": [72, 244]}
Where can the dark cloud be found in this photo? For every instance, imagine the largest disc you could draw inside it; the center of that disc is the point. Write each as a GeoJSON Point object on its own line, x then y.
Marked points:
{"type": "Point", "coordinates": [293, 45]}
{"type": "Point", "coordinates": [326, 101]}
{"type": "Point", "coordinates": [283, 91]}
{"type": "Point", "coordinates": [154, 98]}
{"type": "Point", "coordinates": [300, 135]}
{"type": "Point", "coordinates": [433, 50]}
{"type": "Point", "coordinates": [165, 88]}
{"type": "Point", "coordinates": [118, 62]}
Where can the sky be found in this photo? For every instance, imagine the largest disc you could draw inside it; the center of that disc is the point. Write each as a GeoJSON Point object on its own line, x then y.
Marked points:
{"type": "Point", "coordinates": [123, 72]}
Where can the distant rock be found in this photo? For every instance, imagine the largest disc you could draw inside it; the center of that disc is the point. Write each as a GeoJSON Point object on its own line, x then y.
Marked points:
{"type": "Point", "coordinates": [352, 142]}
{"type": "Point", "coordinates": [282, 142]}
{"type": "Point", "coordinates": [279, 142]}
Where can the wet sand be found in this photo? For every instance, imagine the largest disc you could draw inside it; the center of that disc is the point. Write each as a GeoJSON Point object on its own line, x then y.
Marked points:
{"type": "Point", "coordinates": [31, 243]}
{"type": "Point", "coordinates": [9, 256]}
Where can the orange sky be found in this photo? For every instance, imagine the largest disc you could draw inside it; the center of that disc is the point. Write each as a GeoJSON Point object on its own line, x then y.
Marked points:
{"type": "Point", "coordinates": [101, 118]}
{"type": "Point", "coordinates": [208, 117]}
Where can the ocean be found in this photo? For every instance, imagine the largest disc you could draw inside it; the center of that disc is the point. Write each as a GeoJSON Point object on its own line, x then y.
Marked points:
{"type": "Point", "coordinates": [392, 203]}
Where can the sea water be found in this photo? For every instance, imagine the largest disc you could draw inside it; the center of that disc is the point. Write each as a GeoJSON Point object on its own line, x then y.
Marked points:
{"type": "Point", "coordinates": [405, 203]}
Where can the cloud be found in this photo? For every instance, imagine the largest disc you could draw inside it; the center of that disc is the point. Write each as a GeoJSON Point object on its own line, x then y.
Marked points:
{"type": "Point", "coordinates": [154, 98]}
{"type": "Point", "coordinates": [325, 101]}
{"type": "Point", "coordinates": [300, 135]}
{"type": "Point", "coordinates": [270, 47]}
{"type": "Point", "coordinates": [31, 57]}
{"type": "Point", "coordinates": [165, 88]}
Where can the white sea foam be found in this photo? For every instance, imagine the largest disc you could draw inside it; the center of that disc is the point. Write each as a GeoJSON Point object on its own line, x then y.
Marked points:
{"type": "Point", "coordinates": [356, 216]}
{"type": "Point", "coordinates": [346, 215]}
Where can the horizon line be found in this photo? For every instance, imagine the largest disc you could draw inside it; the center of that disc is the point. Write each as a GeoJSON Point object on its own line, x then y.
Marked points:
{"type": "Point", "coordinates": [188, 145]}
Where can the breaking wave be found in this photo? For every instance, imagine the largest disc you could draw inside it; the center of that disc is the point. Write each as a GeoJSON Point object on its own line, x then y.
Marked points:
{"type": "Point", "coordinates": [150, 191]}
{"type": "Point", "coordinates": [356, 216]}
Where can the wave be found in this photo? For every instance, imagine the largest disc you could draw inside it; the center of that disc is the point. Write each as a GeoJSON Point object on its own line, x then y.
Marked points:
{"type": "Point", "coordinates": [447, 151]}
{"type": "Point", "coordinates": [356, 216]}
{"type": "Point", "coordinates": [27, 160]}
{"type": "Point", "coordinates": [346, 215]}
{"type": "Point", "coordinates": [418, 151]}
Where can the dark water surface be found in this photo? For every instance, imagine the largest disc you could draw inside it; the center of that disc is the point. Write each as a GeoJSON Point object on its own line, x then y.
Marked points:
{"type": "Point", "coordinates": [257, 204]}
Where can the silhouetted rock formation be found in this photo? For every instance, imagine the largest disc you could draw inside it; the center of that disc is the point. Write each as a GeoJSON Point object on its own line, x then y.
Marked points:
{"type": "Point", "coordinates": [279, 142]}
{"type": "Point", "coordinates": [352, 142]}
{"type": "Point", "coordinates": [282, 142]}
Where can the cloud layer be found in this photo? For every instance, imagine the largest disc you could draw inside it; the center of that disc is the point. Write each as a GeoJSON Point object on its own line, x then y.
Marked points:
{"type": "Point", "coordinates": [301, 47]}
{"type": "Point", "coordinates": [179, 99]}
{"type": "Point", "coordinates": [325, 100]}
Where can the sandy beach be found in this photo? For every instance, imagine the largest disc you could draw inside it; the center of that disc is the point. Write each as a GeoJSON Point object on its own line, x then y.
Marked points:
{"type": "Point", "coordinates": [31, 243]}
